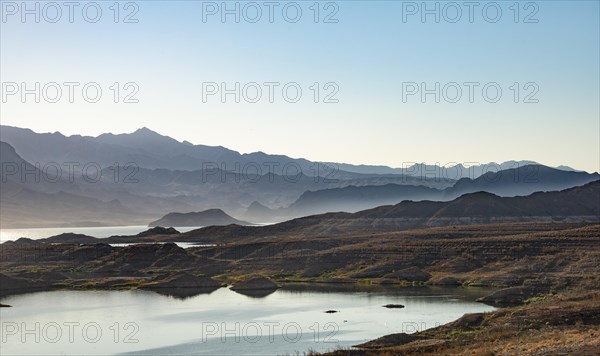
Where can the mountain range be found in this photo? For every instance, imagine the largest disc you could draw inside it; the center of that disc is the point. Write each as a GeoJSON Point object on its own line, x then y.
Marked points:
{"type": "Point", "coordinates": [150, 150]}
{"type": "Point", "coordinates": [520, 181]}
{"type": "Point", "coordinates": [137, 178]}
{"type": "Point", "coordinates": [575, 205]}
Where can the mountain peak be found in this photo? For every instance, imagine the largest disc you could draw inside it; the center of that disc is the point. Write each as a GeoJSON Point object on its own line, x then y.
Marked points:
{"type": "Point", "coordinates": [145, 131]}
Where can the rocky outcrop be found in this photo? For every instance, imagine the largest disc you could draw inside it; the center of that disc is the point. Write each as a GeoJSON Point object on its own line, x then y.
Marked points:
{"type": "Point", "coordinates": [445, 281]}
{"type": "Point", "coordinates": [467, 321]}
{"type": "Point", "coordinates": [133, 259]}
{"type": "Point", "coordinates": [12, 285]}
{"type": "Point", "coordinates": [43, 276]}
{"type": "Point", "coordinates": [389, 340]}
{"type": "Point", "coordinates": [377, 271]}
{"type": "Point", "coordinates": [509, 296]}
{"type": "Point", "coordinates": [84, 253]}
{"type": "Point", "coordinates": [411, 274]}
{"type": "Point", "coordinates": [21, 242]}
{"type": "Point", "coordinates": [71, 238]}
{"type": "Point", "coordinates": [158, 230]}
{"type": "Point", "coordinates": [255, 287]}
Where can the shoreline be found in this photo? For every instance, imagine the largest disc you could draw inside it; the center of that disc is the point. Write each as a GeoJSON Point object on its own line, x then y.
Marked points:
{"type": "Point", "coordinates": [565, 323]}
{"type": "Point", "coordinates": [527, 265]}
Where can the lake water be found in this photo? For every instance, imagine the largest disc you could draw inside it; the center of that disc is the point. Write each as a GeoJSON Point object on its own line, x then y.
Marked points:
{"type": "Point", "coordinates": [180, 244]}
{"type": "Point", "coordinates": [101, 232]}
{"type": "Point", "coordinates": [220, 323]}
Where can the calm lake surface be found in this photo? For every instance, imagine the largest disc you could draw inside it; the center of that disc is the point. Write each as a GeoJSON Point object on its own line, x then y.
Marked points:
{"type": "Point", "coordinates": [101, 232]}
{"type": "Point", "coordinates": [290, 320]}
{"type": "Point", "coordinates": [222, 322]}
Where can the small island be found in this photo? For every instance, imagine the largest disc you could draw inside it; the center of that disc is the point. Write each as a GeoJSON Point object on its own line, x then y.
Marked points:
{"type": "Point", "coordinates": [210, 217]}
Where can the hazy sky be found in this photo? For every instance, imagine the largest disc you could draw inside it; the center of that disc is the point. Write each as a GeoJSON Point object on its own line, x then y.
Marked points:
{"type": "Point", "coordinates": [371, 54]}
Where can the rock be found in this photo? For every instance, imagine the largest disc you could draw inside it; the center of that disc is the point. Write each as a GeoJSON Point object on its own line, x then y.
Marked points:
{"type": "Point", "coordinates": [132, 259]}
{"type": "Point", "coordinates": [467, 321]}
{"type": "Point", "coordinates": [158, 230]}
{"type": "Point", "coordinates": [445, 281]}
{"type": "Point", "coordinates": [47, 276]}
{"type": "Point", "coordinates": [375, 271]}
{"type": "Point", "coordinates": [11, 285]}
{"type": "Point", "coordinates": [21, 242]}
{"type": "Point", "coordinates": [503, 281]}
{"type": "Point", "coordinates": [314, 270]}
{"type": "Point", "coordinates": [340, 280]}
{"type": "Point", "coordinates": [84, 253]}
{"type": "Point", "coordinates": [389, 340]}
{"type": "Point", "coordinates": [508, 296]}
{"type": "Point", "coordinates": [411, 274]}
{"type": "Point", "coordinates": [393, 306]}
{"type": "Point", "coordinates": [71, 238]}
{"type": "Point", "coordinates": [332, 311]}
{"type": "Point", "coordinates": [458, 264]}
{"type": "Point", "coordinates": [388, 281]}
{"type": "Point", "coordinates": [255, 287]}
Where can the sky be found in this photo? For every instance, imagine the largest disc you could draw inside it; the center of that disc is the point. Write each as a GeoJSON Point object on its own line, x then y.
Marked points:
{"type": "Point", "coordinates": [371, 62]}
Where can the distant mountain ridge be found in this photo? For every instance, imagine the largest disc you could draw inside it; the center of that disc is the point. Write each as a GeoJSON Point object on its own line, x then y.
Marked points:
{"type": "Point", "coordinates": [579, 204]}
{"type": "Point", "coordinates": [454, 171]}
{"type": "Point", "coordinates": [26, 202]}
{"type": "Point", "coordinates": [151, 150]}
{"type": "Point", "coordinates": [523, 180]}
{"type": "Point", "coordinates": [520, 181]}
{"type": "Point", "coordinates": [353, 198]}
{"type": "Point", "coordinates": [582, 201]}
{"type": "Point", "coordinates": [140, 192]}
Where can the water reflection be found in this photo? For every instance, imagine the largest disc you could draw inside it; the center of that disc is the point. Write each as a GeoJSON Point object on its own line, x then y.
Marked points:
{"type": "Point", "coordinates": [224, 322]}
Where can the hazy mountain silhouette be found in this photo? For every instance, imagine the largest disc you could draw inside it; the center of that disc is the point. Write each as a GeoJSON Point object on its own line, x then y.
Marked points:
{"type": "Point", "coordinates": [353, 198]}
{"type": "Point", "coordinates": [513, 182]}
{"type": "Point", "coordinates": [32, 200]}
{"type": "Point", "coordinates": [522, 181]}
{"type": "Point", "coordinates": [143, 147]}
{"type": "Point", "coordinates": [258, 212]}
{"type": "Point", "coordinates": [211, 217]}
{"type": "Point", "coordinates": [153, 185]}
{"type": "Point", "coordinates": [576, 204]}
{"type": "Point", "coordinates": [578, 201]}
{"type": "Point", "coordinates": [151, 150]}
{"type": "Point", "coordinates": [169, 176]}
{"type": "Point", "coordinates": [452, 171]}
